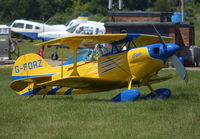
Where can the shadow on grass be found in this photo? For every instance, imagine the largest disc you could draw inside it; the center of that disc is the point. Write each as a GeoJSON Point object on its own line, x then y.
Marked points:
{"type": "Point", "coordinates": [186, 96]}
{"type": "Point", "coordinates": [180, 96]}
{"type": "Point", "coordinates": [71, 98]}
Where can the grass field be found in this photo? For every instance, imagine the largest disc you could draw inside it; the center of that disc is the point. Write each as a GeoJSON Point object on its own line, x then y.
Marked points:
{"type": "Point", "coordinates": [92, 116]}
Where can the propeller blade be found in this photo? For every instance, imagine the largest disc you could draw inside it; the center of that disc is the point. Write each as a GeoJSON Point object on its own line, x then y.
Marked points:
{"type": "Point", "coordinates": [179, 67]}
{"type": "Point", "coordinates": [160, 38]}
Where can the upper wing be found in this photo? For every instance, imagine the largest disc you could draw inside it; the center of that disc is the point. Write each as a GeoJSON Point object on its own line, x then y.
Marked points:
{"type": "Point", "coordinates": [150, 39]}
{"type": "Point", "coordinates": [76, 41]}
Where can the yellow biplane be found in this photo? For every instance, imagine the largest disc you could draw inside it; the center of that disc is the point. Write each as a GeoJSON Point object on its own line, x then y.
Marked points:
{"type": "Point", "coordinates": [117, 60]}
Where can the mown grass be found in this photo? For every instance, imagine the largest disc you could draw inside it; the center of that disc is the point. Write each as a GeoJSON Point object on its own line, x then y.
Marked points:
{"type": "Point", "coordinates": [93, 116]}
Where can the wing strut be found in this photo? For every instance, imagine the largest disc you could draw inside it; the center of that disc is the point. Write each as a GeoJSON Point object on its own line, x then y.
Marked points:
{"type": "Point", "coordinates": [74, 48]}
{"type": "Point", "coordinates": [62, 60]}
{"type": "Point", "coordinates": [75, 72]}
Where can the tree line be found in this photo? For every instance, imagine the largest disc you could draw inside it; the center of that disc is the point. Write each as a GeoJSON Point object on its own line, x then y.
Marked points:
{"type": "Point", "coordinates": [60, 11]}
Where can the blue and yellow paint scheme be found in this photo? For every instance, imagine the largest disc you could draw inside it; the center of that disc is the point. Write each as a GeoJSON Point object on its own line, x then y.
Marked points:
{"type": "Point", "coordinates": [83, 17]}
{"type": "Point", "coordinates": [138, 64]}
{"type": "Point", "coordinates": [33, 34]}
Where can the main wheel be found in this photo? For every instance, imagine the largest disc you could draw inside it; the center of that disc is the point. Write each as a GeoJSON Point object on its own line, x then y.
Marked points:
{"type": "Point", "coordinates": [126, 95]}
{"type": "Point", "coordinates": [54, 56]}
{"type": "Point", "coordinates": [160, 93]}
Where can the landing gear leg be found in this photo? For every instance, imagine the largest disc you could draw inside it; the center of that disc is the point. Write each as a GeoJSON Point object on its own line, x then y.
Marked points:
{"type": "Point", "coordinates": [150, 88]}
{"type": "Point", "coordinates": [44, 96]}
{"type": "Point", "coordinates": [127, 95]}
{"type": "Point", "coordinates": [159, 93]}
{"type": "Point", "coordinates": [29, 97]}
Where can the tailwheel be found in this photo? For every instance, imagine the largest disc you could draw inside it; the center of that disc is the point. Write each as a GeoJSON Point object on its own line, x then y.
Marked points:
{"type": "Point", "coordinates": [44, 96]}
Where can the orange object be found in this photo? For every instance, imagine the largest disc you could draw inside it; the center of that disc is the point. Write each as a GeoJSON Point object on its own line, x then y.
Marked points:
{"type": "Point", "coordinates": [41, 52]}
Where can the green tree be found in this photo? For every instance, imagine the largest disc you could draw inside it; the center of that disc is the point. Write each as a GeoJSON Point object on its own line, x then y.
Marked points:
{"type": "Point", "coordinates": [98, 7]}
{"type": "Point", "coordinates": [70, 12]}
{"type": "Point", "coordinates": [137, 4]}
{"type": "Point", "coordinates": [78, 8]}
{"type": "Point", "coordinates": [192, 10]}
{"type": "Point", "coordinates": [164, 5]}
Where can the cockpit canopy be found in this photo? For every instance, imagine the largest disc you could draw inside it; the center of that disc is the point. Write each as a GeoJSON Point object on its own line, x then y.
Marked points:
{"type": "Point", "coordinates": [21, 24]}
{"type": "Point", "coordinates": [86, 29]}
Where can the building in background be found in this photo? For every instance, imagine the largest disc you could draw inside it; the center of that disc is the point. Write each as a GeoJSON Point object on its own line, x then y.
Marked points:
{"type": "Point", "coordinates": [167, 23]}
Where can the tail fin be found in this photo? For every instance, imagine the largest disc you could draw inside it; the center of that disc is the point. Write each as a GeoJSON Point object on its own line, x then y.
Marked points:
{"type": "Point", "coordinates": [30, 69]}
{"type": "Point", "coordinates": [29, 65]}
{"type": "Point", "coordinates": [83, 17]}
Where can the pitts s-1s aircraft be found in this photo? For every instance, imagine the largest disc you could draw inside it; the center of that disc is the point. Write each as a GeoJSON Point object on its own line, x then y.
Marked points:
{"type": "Point", "coordinates": [118, 60]}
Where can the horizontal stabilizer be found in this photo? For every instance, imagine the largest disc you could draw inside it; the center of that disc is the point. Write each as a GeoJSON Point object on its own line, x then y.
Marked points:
{"type": "Point", "coordinates": [30, 69]}
{"type": "Point", "coordinates": [19, 85]}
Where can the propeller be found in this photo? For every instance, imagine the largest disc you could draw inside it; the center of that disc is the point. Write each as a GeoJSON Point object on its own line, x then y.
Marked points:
{"type": "Point", "coordinates": [179, 67]}
{"type": "Point", "coordinates": [174, 59]}
{"type": "Point", "coordinates": [159, 36]}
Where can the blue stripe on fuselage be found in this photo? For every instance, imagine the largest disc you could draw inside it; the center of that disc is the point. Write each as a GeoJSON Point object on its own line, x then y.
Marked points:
{"type": "Point", "coordinates": [30, 76]}
{"type": "Point", "coordinates": [108, 60]}
{"type": "Point", "coordinates": [33, 35]}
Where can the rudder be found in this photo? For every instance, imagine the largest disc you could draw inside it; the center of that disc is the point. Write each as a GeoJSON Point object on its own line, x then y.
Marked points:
{"type": "Point", "coordinates": [29, 70]}
{"type": "Point", "coordinates": [27, 65]}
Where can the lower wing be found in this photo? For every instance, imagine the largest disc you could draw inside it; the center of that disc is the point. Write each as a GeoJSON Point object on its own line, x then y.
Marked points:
{"type": "Point", "coordinates": [84, 83]}
{"type": "Point", "coordinates": [160, 78]}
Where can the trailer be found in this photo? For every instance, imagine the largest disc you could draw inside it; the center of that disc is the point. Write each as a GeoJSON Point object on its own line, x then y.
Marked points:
{"type": "Point", "coordinates": [8, 47]}
{"type": "Point", "coordinates": [195, 52]}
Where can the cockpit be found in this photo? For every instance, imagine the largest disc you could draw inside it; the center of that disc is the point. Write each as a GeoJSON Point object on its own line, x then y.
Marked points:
{"type": "Point", "coordinates": [86, 29]}
{"type": "Point", "coordinates": [99, 51]}
{"type": "Point", "coordinates": [106, 49]}
{"type": "Point", "coordinates": [21, 26]}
